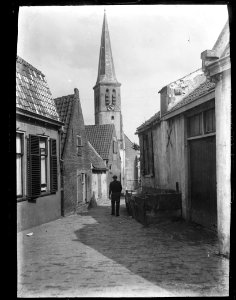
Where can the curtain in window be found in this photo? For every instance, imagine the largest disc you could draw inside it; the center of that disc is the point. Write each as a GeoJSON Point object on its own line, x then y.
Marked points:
{"type": "Point", "coordinates": [43, 173]}
{"type": "Point", "coordinates": [42, 145]}
{"type": "Point", "coordinates": [19, 174]}
{"type": "Point", "coordinates": [19, 187]}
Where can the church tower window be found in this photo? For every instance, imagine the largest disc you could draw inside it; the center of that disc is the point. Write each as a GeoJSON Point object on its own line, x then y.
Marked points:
{"type": "Point", "coordinates": [107, 100]}
{"type": "Point", "coordinates": [114, 97]}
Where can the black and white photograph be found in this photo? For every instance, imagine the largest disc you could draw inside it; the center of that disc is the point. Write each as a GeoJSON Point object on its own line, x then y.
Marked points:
{"type": "Point", "coordinates": [123, 150]}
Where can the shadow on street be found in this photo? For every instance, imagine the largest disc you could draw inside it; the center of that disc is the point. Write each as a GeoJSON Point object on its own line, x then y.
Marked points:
{"type": "Point", "coordinates": [175, 255]}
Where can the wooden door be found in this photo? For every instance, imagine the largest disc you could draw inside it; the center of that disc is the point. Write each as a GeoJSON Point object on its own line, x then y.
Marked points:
{"type": "Point", "coordinates": [84, 186]}
{"type": "Point", "coordinates": [203, 181]}
{"type": "Point", "coordinates": [99, 186]}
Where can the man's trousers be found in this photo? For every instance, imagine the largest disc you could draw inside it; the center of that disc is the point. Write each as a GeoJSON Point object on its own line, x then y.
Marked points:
{"type": "Point", "coordinates": [115, 204]}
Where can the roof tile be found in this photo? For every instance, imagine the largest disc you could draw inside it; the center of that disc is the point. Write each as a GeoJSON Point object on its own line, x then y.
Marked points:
{"type": "Point", "coordinates": [32, 91]}
{"type": "Point", "coordinates": [64, 106]}
{"type": "Point", "coordinates": [100, 137]}
{"type": "Point", "coordinates": [95, 159]}
{"type": "Point", "coordinates": [201, 90]}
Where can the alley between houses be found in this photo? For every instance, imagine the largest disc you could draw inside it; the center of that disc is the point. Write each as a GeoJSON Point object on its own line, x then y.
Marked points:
{"type": "Point", "coordinates": [96, 254]}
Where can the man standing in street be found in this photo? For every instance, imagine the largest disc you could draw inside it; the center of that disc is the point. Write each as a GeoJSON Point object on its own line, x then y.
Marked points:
{"type": "Point", "coordinates": [115, 189]}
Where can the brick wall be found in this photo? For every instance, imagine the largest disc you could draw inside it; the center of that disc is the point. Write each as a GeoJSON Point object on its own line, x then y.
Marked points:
{"type": "Point", "coordinates": [73, 167]}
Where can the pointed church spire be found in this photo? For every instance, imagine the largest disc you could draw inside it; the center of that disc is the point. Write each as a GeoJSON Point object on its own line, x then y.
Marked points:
{"type": "Point", "coordinates": [106, 70]}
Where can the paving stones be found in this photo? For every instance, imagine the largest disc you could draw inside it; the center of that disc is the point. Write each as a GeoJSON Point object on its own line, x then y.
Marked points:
{"type": "Point", "coordinates": [94, 254]}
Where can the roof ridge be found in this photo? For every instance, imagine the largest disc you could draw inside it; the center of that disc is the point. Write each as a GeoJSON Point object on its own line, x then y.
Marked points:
{"type": "Point", "coordinates": [69, 123]}
{"type": "Point", "coordinates": [24, 62]}
{"type": "Point", "coordinates": [91, 146]}
{"type": "Point", "coordinates": [59, 98]}
{"type": "Point", "coordinates": [128, 138]}
{"type": "Point", "coordinates": [200, 69]}
{"type": "Point", "coordinates": [155, 116]}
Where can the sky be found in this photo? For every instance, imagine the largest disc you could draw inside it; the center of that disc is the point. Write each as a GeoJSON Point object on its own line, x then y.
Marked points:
{"type": "Point", "coordinates": [152, 45]}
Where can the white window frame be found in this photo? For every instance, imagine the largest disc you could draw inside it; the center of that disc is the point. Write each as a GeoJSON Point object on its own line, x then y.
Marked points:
{"type": "Point", "coordinates": [23, 169]}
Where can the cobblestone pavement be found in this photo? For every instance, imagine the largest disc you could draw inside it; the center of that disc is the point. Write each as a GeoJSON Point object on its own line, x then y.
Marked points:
{"type": "Point", "coordinates": [94, 254]}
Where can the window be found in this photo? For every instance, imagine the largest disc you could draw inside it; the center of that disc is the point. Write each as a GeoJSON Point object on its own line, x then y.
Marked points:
{"type": "Point", "coordinates": [195, 125]}
{"type": "Point", "coordinates": [112, 117]}
{"type": "Point", "coordinates": [43, 163]}
{"type": "Point", "coordinates": [114, 97]}
{"type": "Point", "coordinates": [147, 155]}
{"type": "Point", "coordinates": [19, 161]}
{"type": "Point", "coordinates": [107, 100]}
{"type": "Point", "coordinates": [202, 123]}
{"type": "Point", "coordinates": [209, 121]}
{"type": "Point", "coordinates": [37, 166]}
{"type": "Point", "coordinates": [115, 146]}
{"type": "Point", "coordinates": [79, 145]}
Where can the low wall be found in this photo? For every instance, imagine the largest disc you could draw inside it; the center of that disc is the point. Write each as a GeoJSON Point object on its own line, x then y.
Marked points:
{"type": "Point", "coordinates": [149, 208]}
{"type": "Point", "coordinates": [43, 210]}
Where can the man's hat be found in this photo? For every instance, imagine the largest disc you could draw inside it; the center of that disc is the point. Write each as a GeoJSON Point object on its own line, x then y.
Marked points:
{"type": "Point", "coordinates": [114, 176]}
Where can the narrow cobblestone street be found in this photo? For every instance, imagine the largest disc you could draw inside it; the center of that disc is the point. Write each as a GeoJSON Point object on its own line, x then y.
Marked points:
{"type": "Point", "coordinates": [96, 254]}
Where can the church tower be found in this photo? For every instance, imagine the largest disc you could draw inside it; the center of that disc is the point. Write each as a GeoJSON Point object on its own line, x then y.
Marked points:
{"type": "Point", "coordinates": [107, 102]}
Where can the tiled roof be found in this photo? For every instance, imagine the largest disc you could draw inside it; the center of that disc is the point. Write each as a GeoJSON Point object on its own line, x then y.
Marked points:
{"type": "Point", "coordinates": [201, 90]}
{"type": "Point", "coordinates": [152, 120]}
{"type": "Point", "coordinates": [32, 91]}
{"type": "Point", "coordinates": [100, 137]}
{"type": "Point", "coordinates": [128, 142]}
{"type": "Point", "coordinates": [64, 106]}
{"type": "Point", "coordinates": [95, 159]}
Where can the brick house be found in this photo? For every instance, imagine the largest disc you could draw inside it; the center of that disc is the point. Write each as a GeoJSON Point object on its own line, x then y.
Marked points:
{"type": "Point", "coordinates": [104, 141]}
{"type": "Point", "coordinates": [178, 147]}
{"type": "Point", "coordinates": [75, 165]}
{"type": "Point", "coordinates": [37, 149]}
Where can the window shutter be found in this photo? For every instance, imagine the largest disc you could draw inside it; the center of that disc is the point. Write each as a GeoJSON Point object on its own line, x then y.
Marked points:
{"type": "Point", "coordinates": [33, 167]}
{"type": "Point", "coordinates": [53, 165]}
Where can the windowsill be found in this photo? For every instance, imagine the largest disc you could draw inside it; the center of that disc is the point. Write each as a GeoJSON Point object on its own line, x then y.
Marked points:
{"type": "Point", "coordinates": [22, 199]}
{"type": "Point", "coordinates": [201, 136]}
{"type": "Point", "coordinates": [148, 175]}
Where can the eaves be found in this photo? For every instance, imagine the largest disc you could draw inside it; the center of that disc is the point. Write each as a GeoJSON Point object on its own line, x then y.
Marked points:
{"type": "Point", "coordinates": [196, 102]}
{"type": "Point", "coordinates": [147, 127]}
{"type": "Point", "coordinates": [35, 116]}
